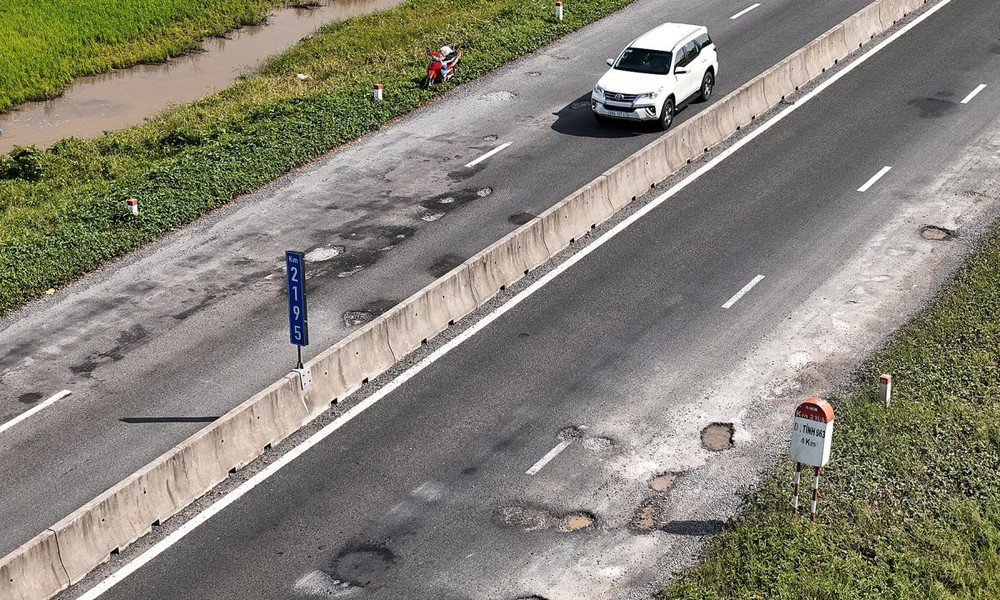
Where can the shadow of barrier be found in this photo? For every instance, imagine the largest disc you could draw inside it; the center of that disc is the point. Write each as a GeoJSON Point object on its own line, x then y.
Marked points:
{"type": "Point", "coordinates": [63, 554]}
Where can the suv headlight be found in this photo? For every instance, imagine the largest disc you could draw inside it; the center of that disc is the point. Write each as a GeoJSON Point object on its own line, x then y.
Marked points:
{"type": "Point", "coordinates": [598, 90]}
{"type": "Point", "coordinates": [650, 95]}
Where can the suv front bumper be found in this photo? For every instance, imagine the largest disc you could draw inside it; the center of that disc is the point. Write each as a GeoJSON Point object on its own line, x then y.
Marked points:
{"type": "Point", "coordinates": [642, 112]}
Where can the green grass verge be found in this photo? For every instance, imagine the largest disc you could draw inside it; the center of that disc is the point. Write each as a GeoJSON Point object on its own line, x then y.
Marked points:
{"type": "Point", "coordinates": [910, 503]}
{"type": "Point", "coordinates": [62, 211]}
{"type": "Point", "coordinates": [44, 44]}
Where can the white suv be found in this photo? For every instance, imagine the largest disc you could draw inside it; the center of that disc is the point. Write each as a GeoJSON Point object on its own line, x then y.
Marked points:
{"type": "Point", "coordinates": [663, 68]}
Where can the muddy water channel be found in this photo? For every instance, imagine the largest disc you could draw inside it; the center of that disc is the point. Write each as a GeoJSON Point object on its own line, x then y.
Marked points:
{"type": "Point", "coordinates": [93, 105]}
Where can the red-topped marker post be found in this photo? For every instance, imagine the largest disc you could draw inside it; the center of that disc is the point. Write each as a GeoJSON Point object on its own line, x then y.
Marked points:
{"type": "Point", "coordinates": [812, 434]}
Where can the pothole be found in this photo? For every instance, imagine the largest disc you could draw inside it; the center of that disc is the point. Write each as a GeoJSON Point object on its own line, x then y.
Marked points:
{"type": "Point", "coordinates": [446, 200]}
{"type": "Point", "coordinates": [501, 96]}
{"type": "Point", "coordinates": [527, 518]}
{"type": "Point", "coordinates": [647, 517]}
{"type": "Point", "coordinates": [717, 437]}
{"type": "Point", "coordinates": [431, 217]}
{"type": "Point", "coordinates": [663, 483]}
{"type": "Point", "coordinates": [321, 254]}
{"type": "Point", "coordinates": [486, 191]}
{"type": "Point", "coordinates": [598, 444]}
{"type": "Point", "coordinates": [576, 522]}
{"type": "Point", "coordinates": [935, 233]}
{"type": "Point", "coordinates": [531, 518]}
{"type": "Point", "coordinates": [353, 318]}
{"type": "Point", "coordinates": [534, 73]}
{"type": "Point", "coordinates": [535, 597]}
{"type": "Point", "coordinates": [362, 566]}
{"type": "Point", "coordinates": [490, 138]}
{"type": "Point", "coordinates": [29, 398]}
{"type": "Point", "coordinates": [579, 104]}
{"type": "Point", "coordinates": [570, 433]}
{"type": "Point", "coordinates": [349, 272]}
{"type": "Point", "coordinates": [520, 218]}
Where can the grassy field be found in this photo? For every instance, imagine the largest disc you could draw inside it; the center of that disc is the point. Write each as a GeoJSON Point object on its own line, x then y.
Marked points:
{"type": "Point", "coordinates": [62, 211]}
{"type": "Point", "coordinates": [45, 43]}
{"type": "Point", "coordinates": [911, 498]}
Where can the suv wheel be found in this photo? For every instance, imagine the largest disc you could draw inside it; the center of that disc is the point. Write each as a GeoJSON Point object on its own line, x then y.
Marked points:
{"type": "Point", "coordinates": [667, 114]}
{"type": "Point", "coordinates": [707, 85]}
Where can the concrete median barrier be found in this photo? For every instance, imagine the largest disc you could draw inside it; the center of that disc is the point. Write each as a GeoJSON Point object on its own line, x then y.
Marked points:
{"type": "Point", "coordinates": [33, 570]}
{"type": "Point", "coordinates": [341, 369]}
{"type": "Point", "coordinates": [862, 26]}
{"type": "Point", "coordinates": [575, 215]}
{"type": "Point", "coordinates": [429, 311]}
{"type": "Point", "coordinates": [74, 546]}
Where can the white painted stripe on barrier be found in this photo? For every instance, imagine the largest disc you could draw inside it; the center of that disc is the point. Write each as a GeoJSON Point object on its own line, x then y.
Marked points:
{"type": "Point", "coordinates": [548, 457]}
{"type": "Point", "coordinates": [488, 154]}
{"type": "Point", "coordinates": [34, 410]}
{"type": "Point", "coordinates": [868, 184]}
{"type": "Point", "coordinates": [362, 406]}
{"type": "Point", "coordinates": [981, 87]}
{"type": "Point", "coordinates": [743, 291]}
{"type": "Point", "coordinates": [744, 11]}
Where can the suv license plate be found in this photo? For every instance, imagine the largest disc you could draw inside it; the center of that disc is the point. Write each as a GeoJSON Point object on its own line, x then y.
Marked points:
{"type": "Point", "coordinates": [618, 113]}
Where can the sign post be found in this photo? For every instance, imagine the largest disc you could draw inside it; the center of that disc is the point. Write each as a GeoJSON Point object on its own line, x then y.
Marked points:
{"type": "Point", "coordinates": [812, 436]}
{"type": "Point", "coordinates": [298, 320]}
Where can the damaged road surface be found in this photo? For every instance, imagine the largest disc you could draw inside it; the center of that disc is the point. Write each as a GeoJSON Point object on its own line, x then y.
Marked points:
{"type": "Point", "coordinates": [196, 323]}
{"type": "Point", "coordinates": [562, 451]}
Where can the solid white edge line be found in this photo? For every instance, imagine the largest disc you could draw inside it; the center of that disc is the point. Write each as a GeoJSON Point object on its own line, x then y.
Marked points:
{"type": "Point", "coordinates": [874, 178]}
{"type": "Point", "coordinates": [981, 87]}
{"type": "Point", "coordinates": [317, 437]}
{"type": "Point", "coordinates": [545, 459]}
{"type": "Point", "coordinates": [744, 11]}
{"type": "Point", "coordinates": [488, 154]}
{"type": "Point", "coordinates": [743, 291]}
{"type": "Point", "coordinates": [33, 410]}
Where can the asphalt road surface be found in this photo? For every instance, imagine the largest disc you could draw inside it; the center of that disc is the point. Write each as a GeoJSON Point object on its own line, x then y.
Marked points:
{"type": "Point", "coordinates": [156, 345]}
{"type": "Point", "coordinates": [440, 489]}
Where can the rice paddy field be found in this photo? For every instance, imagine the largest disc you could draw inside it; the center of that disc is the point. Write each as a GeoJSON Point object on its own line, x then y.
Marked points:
{"type": "Point", "coordinates": [45, 43]}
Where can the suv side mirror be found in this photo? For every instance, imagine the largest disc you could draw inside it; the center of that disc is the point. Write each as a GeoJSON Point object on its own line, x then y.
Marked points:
{"type": "Point", "coordinates": [680, 70]}
{"type": "Point", "coordinates": [611, 62]}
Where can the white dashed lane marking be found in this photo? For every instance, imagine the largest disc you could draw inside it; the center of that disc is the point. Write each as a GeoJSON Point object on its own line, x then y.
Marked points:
{"type": "Point", "coordinates": [744, 11]}
{"type": "Point", "coordinates": [874, 178]}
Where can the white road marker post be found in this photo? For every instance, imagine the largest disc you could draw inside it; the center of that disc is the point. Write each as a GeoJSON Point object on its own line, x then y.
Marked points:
{"type": "Point", "coordinates": [812, 434]}
{"type": "Point", "coordinates": [795, 488]}
{"type": "Point", "coordinates": [885, 389]}
{"type": "Point", "coordinates": [377, 92]}
{"type": "Point", "coordinates": [559, 11]}
{"type": "Point", "coordinates": [133, 206]}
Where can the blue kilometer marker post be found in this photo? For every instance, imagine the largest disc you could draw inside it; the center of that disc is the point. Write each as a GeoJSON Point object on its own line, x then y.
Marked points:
{"type": "Point", "coordinates": [298, 321]}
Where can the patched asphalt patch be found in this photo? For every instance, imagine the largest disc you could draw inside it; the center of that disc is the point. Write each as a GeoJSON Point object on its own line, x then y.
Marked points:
{"type": "Point", "coordinates": [444, 264]}
{"type": "Point", "coordinates": [936, 233]}
{"type": "Point", "coordinates": [323, 254]}
{"type": "Point", "coordinates": [128, 339]}
{"type": "Point", "coordinates": [717, 437]}
{"type": "Point", "coordinates": [29, 398]}
{"type": "Point", "coordinates": [932, 108]}
{"type": "Point", "coordinates": [361, 566]}
{"type": "Point", "coordinates": [520, 218]}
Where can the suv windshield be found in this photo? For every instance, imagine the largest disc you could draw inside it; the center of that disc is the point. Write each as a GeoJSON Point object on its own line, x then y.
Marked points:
{"type": "Point", "coordinates": [644, 61]}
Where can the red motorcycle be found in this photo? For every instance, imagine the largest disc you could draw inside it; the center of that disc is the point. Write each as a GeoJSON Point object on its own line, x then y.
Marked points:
{"type": "Point", "coordinates": [443, 65]}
